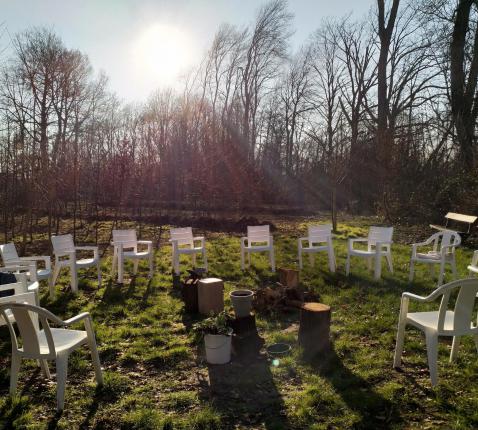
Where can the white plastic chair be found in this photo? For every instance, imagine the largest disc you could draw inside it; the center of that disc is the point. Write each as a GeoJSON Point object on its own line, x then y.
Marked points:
{"type": "Point", "coordinates": [182, 240]}
{"type": "Point", "coordinates": [125, 246]}
{"type": "Point", "coordinates": [318, 234]}
{"type": "Point", "coordinates": [473, 267]}
{"type": "Point", "coordinates": [444, 322]}
{"type": "Point", "coordinates": [444, 244]}
{"type": "Point", "coordinates": [259, 235]}
{"type": "Point", "coordinates": [20, 286]}
{"type": "Point", "coordinates": [10, 258]}
{"type": "Point", "coordinates": [47, 343]}
{"type": "Point", "coordinates": [379, 243]}
{"type": "Point", "coordinates": [65, 256]}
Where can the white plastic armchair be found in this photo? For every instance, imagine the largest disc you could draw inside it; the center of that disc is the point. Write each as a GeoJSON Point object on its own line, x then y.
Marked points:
{"type": "Point", "coordinates": [258, 239]}
{"type": "Point", "coordinates": [379, 243]}
{"type": "Point", "coordinates": [319, 239]}
{"type": "Point", "coordinates": [473, 267]}
{"type": "Point", "coordinates": [11, 259]}
{"type": "Point", "coordinates": [42, 342]}
{"type": "Point", "coordinates": [443, 252]}
{"type": "Point", "coordinates": [183, 242]}
{"type": "Point", "coordinates": [443, 322]}
{"type": "Point", "coordinates": [65, 256]}
{"type": "Point", "coordinates": [20, 286]}
{"type": "Point", "coordinates": [125, 246]}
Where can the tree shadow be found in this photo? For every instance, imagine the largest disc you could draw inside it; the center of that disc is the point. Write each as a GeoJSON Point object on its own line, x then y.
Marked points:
{"type": "Point", "coordinates": [374, 410]}
{"type": "Point", "coordinates": [245, 392]}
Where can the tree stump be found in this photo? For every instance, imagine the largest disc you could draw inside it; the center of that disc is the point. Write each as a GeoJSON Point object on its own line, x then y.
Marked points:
{"type": "Point", "coordinates": [289, 277]}
{"type": "Point", "coordinates": [189, 292]}
{"type": "Point", "coordinates": [210, 296]}
{"type": "Point", "coordinates": [314, 330]}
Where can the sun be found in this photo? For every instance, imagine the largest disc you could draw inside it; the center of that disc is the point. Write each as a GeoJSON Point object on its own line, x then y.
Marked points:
{"type": "Point", "coordinates": [161, 53]}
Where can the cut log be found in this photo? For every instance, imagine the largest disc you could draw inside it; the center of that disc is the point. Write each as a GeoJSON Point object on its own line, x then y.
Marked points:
{"type": "Point", "coordinates": [189, 292]}
{"type": "Point", "coordinates": [289, 277]}
{"type": "Point", "coordinates": [210, 296]}
{"type": "Point", "coordinates": [314, 330]}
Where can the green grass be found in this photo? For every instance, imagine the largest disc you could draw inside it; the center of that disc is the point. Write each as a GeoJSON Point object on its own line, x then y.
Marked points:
{"type": "Point", "coordinates": [156, 376]}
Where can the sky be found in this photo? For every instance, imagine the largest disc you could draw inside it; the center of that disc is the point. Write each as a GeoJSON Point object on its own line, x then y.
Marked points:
{"type": "Point", "coordinates": [143, 45]}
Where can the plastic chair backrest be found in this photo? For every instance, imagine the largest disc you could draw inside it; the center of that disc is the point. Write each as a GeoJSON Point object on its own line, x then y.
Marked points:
{"type": "Point", "coordinates": [126, 237]}
{"type": "Point", "coordinates": [63, 244]}
{"type": "Point", "coordinates": [449, 238]}
{"type": "Point", "coordinates": [319, 233]}
{"type": "Point", "coordinates": [24, 311]}
{"type": "Point", "coordinates": [379, 234]}
{"type": "Point", "coordinates": [183, 235]}
{"type": "Point", "coordinates": [258, 233]}
{"type": "Point", "coordinates": [464, 304]}
{"type": "Point", "coordinates": [9, 254]}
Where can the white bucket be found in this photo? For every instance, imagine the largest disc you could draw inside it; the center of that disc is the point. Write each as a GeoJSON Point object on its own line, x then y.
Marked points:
{"type": "Point", "coordinates": [242, 302]}
{"type": "Point", "coordinates": [218, 348]}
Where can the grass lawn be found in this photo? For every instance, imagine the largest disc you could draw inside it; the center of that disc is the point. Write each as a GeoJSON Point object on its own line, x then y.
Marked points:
{"type": "Point", "coordinates": [156, 376]}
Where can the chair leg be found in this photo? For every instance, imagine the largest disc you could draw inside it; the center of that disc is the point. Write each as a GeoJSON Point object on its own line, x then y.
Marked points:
{"type": "Point", "coordinates": [135, 266]}
{"type": "Point", "coordinates": [412, 271]}
{"type": "Point", "coordinates": [442, 273]}
{"type": "Point", "coordinates": [51, 287]}
{"type": "Point", "coordinates": [388, 256]}
{"type": "Point", "coordinates": [114, 262]}
{"type": "Point", "coordinates": [377, 272]}
{"type": "Point", "coordinates": [94, 353]}
{"type": "Point", "coordinates": [45, 369]}
{"type": "Point", "coordinates": [242, 258]}
{"type": "Point", "coordinates": [272, 260]}
{"type": "Point", "coordinates": [120, 267]}
{"type": "Point", "coordinates": [300, 258]}
{"type": "Point", "coordinates": [397, 358]}
{"type": "Point", "coordinates": [432, 354]}
{"type": "Point", "coordinates": [176, 263]}
{"type": "Point", "coordinates": [454, 348]}
{"type": "Point", "coordinates": [74, 277]}
{"type": "Point", "coordinates": [56, 272]}
{"type": "Point", "coordinates": [453, 268]}
{"type": "Point", "coordinates": [15, 370]}
{"type": "Point", "coordinates": [194, 259]}
{"type": "Point", "coordinates": [331, 256]}
{"type": "Point", "coordinates": [347, 265]}
{"type": "Point", "coordinates": [61, 373]}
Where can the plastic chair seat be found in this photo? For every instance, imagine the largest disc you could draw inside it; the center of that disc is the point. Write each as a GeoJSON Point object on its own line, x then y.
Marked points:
{"type": "Point", "coordinates": [429, 320]}
{"type": "Point", "coordinates": [64, 339]}
{"type": "Point", "coordinates": [132, 254]}
{"type": "Point", "coordinates": [258, 247]}
{"type": "Point", "coordinates": [190, 250]}
{"type": "Point", "coordinates": [86, 262]}
{"type": "Point", "coordinates": [365, 253]}
{"type": "Point", "coordinates": [430, 255]}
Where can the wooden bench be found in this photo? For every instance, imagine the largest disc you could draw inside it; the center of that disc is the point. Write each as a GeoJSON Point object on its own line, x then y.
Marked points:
{"type": "Point", "coordinates": [469, 220]}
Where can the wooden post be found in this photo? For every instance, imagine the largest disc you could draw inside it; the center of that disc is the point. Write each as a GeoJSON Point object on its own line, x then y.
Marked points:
{"type": "Point", "coordinates": [189, 292]}
{"type": "Point", "coordinates": [314, 330]}
{"type": "Point", "coordinates": [289, 277]}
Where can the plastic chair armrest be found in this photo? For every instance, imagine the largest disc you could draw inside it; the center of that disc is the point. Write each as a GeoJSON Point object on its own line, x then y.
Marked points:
{"type": "Point", "coordinates": [76, 318]}
{"type": "Point", "coordinates": [45, 258]}
{"type": "Point", "coordinates": [243, 241]}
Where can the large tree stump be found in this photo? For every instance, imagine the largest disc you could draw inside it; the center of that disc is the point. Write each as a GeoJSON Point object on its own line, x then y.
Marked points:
{"type": "Point", "coordinates": [210, 296]}
{"type": "Point", "coordinates": [314, 330]}
{"type": "Point", "coordinates": [289, 277]}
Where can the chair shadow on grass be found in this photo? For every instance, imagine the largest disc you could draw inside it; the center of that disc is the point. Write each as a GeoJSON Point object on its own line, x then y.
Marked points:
{"type": "Point", "coordinates": [374, 410]}
{"type": "Point", "coordinates": [245, 393]}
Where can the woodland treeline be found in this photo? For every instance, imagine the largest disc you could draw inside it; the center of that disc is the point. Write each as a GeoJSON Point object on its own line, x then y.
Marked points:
{"type": "Point", "coordinates": [372, 115]}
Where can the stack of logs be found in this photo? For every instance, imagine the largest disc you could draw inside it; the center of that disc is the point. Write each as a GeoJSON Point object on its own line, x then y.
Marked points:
{"type": "Point", "coordinates": [285, 294]}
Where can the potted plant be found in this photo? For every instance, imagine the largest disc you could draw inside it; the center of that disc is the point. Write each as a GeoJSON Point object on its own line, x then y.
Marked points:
{"type": "Point", "coordinates": [217, 337]}
{"type": "Point", "coordinates": [242, 302]}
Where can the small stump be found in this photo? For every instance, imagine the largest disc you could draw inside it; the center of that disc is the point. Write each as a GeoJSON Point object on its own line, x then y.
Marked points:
{"type": "Point", "coordinates": [210, 296]}
{"type": "Point", "coordinates": [314, 330]}
{"type": "Point", "coordinates": [289, 277]}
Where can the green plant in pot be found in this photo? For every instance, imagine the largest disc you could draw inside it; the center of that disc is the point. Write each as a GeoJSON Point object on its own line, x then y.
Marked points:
{"type": "Point", "coordinates": [217, 337]}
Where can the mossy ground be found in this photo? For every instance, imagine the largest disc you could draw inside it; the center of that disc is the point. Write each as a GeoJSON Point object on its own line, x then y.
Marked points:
{"type": "Point", "coordinates": [156, 376]}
